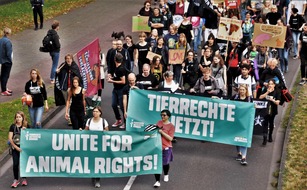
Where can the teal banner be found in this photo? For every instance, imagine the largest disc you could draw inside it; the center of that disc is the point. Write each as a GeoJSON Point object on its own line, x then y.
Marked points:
{"type": "Point", "coordinates": [194, 117]}
{"type": "Point", "coordinates": [73, 153]}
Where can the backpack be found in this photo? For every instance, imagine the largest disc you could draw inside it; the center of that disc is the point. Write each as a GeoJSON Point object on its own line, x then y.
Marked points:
{"type": "Point", "coordinates": [89, 123]}
{"type": "Point", "coordinates": [47, 44]}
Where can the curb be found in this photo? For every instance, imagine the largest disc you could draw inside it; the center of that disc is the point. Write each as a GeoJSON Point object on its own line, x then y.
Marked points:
{"type": "Point", "coordinates": [5, 156]}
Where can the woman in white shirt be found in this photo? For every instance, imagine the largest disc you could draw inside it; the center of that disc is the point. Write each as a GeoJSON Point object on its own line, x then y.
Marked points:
{"type": "Point", "coordinates": [97, 123]}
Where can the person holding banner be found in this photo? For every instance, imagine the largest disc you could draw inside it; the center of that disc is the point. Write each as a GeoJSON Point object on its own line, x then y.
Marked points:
{"type": "Point", "coordinates": [20, 123]}
{"type": "Point", "coordinates": [76, 104]}
{"type": "Point", "coordinates": [273, 95]}
{"type": "Point", "coordinates": [97, 123]}
{"type": "Point", "coordinates": [167, 131]}
{"type": "Point", "coordinates": [242, 96]}
{"type": "Point", "coordinates": [206, 85]}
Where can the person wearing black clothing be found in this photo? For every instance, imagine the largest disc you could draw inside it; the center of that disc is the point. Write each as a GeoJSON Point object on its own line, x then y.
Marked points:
{"type": "Point", "coordinates": [273, 16]}
{"type": "Point", "coordinates": [126, 57]}
{"type": "Point", "coordinates": [273, 72]}
{"type": "Point", "coordinates": [146, 10]}
{"type": "Point", "coordinates": [302, 49]}
{"type": "Point", "coordinates": [119, 81]}
{"type": "Point", "coordinates": [296, 23]}
{"type": "Point", "coordinates": [37, 89]}
{"type": "Point", "coordinates": [211, 42]}
{"type": "Point", "coordinates": [110, 58]}
{"type": "Point", "coordinates": [189, 71]}
{"type": "Point", "coordinates": [77, 106]}
{"type": "Point", "coordinates": [272, 94]}
{"type": "Point", "coordinates": [65, 74]}
{"type": "Point", "coordinates": [146, 78]}
{"type": "Point", "coordinates": [20, 123]}
{"type": "Point", "coordinates": [55, 53]}
{"type": "Point", "coordinates": [162, 50]}
{"type": "Point", "coordinates": [37, 7]}
{"type": "Point", "coordinates": [130, 47]}
{"type": "Point", "coordinates": [142, 49]}
{"type": "Point", "coordinates": [156, 21]}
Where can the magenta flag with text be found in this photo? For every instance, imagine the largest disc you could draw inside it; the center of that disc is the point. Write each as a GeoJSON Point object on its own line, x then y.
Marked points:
{"type": "Point", "coordinates": [89, 65]}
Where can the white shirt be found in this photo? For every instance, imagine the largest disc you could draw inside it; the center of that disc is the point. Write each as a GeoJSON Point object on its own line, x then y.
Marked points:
{"type": "Point", "coordinates": [97, 126]}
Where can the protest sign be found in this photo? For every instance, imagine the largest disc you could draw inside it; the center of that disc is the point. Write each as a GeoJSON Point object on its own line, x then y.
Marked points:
{"type": "Point", "coordinates": [230, 29]}
{"type": "Point", "coordinates": [194, 117]}
{"type": "Point", "coordinates": [73, 153]}
{"type": "Point", "coordinates": [150, 55]}
{"type": "Point", "coordinates": [140, 24]}
{"type": "Point", "coordinates": [269, 35]}
{"type": "Point", "coordinates": [232, 4]}
{"type": "Point", "coordinates": [176, 56]}
{"type": "Point", "coordinates": [89, 65]}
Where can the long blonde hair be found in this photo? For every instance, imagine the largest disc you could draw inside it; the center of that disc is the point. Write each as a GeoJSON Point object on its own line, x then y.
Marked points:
{"type": "Point", "coordinates": [24, 119]}
{"type": "Point", "coordinates": [39, 77]}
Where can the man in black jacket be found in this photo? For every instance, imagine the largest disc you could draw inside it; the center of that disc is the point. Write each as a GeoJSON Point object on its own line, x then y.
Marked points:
{"type": "Point", "coordinates": [55, 53]}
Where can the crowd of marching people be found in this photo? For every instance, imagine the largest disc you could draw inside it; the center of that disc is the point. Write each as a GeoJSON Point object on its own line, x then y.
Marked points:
{"type": "Point", "coordinates": [214, 68]}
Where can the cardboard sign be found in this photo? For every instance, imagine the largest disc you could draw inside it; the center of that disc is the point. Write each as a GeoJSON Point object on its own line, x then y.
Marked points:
{"type": "Point", "coordinates": [230, 29]}
{"type": "Point", "coordinates": [176, 56]}
{"type": "Point", "coordinates": [269, 35]}
{"type": "Point", "coordinates": [232, 4]}
{"type": "Point", "coordinates": [150, 55]}
{"type": "Point", "coordinates": [140, 24]}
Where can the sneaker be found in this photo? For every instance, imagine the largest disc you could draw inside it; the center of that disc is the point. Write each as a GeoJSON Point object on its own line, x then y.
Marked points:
{"type": "Point", "coordinates": [6, 93]}
{"type": "Point", "coordinates": [95, 97]}
{"type": "Point", "coordinates": [97, 184]}
{"type": "Point", "coordinates": [15, 183]}
{"type": "Point", "coordinates": [166, 178]}
{"type": "Point", "coordinates": [10, 91]}
{"type": "Point", "coordinates": [123, 126]}
{"type": "Point", "coordinates": [243, 162]}
{"type": "Point", "coordinates": [295, 57]}
{"type": "Point", "coordinates": [302, 82]}
{"type": "Point", "coordinates": [24, 182]}
{"type": "Point", "coordinates": [239, 157]}
{"type": "Point", "coordinates": [69, 122]}
{"type": "Point", "coordinates": [157, 184]}
{"type": "Point", "coordinates": [117, 123]}
{"type": "Point", "coordinates": [52, 81]}
{"type": "Point", "coordinates": [99, 99]}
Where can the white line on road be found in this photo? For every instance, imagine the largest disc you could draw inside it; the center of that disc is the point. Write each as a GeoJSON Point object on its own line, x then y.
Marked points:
{"type": "Point", "coordinates": [130, 182]}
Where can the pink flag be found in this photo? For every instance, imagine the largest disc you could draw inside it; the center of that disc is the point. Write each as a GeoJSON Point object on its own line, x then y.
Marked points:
{"type": "Point", "coordinates": [89, 65]}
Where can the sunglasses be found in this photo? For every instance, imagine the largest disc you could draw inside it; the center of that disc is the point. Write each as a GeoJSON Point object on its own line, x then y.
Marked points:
{"type": "Point", "coordinates": [163, 115]}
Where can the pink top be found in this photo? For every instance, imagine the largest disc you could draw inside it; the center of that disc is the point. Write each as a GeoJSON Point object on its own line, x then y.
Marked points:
{"type": "Point", "coordinates": [168, 129]}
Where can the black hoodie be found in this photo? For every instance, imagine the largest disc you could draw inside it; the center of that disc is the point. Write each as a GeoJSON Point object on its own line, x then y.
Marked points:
{"type": "Point", "coordinates": [55, 40]}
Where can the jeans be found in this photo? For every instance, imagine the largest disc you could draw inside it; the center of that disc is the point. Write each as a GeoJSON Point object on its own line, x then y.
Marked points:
{"type": "Point", "coordinates": [242, 150]}
{"type": "Point", "coordinates": [303, 66]}
{"type": "Point", "coordinates": [5, 75]}
{"type": "Point", "coordinates": [295, 36]}
{"type": "Point", "coordinates": [197, 38]}
{"type": "Point", "coordinates": [36, 114]}
{"type": "Point", "coordinates": [117, 99]}
{"type": "Point", "coordinates": [55, 56]}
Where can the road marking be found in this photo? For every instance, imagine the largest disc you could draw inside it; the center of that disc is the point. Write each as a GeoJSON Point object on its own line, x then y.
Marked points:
{"type": "Point", "coordinates": [130, 182]}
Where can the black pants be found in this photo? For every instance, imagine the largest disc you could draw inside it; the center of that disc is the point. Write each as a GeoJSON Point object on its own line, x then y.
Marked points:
{"type": "Point", "coordinates": [303, 66]}
{"type": "Point", "coordinates": [77, 119]}
{"type": "Point", "coordinates": [16, 156]}
{"type": "Point", "coordinates": [5, 74]}
{"type": "Point", "coordinates": [268, 124]}
{"type": "Point", "coordinates": [165, 170]}
{"type": "Point", "coordinates": [38, 10]}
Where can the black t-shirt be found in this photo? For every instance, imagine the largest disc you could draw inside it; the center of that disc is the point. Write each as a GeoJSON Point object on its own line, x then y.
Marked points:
{"type": "Point", "coordinates": [208, 87]}
{"type": "Point", "coordinates": [130, 50]}
{"type": "Point", "coordinates": [120, 71]}
{"type": "Point", "coordinates": [157, 19]}
{"type": "Point", "coordinates": [149, 81]}
{"type": "Point", "coordinates": [303, 39]}
{"type": "Point", "coordinates": [38, 93]}
{"type": "Point", "coordinates": [143, 50]}
{"type": "Point", "coordinates": [273, 17]}
{"type": "Point", "coordinates": [273, 109]}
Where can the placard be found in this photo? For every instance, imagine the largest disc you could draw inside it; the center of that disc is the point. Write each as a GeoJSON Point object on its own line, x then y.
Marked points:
{"type": "Point", "coordinates": [176, 56]}
{"type": "Point", "coordinates": [269, 35]}
{"type": "Point", "coordinates": [140, 24]}
{"type": "Point", "coordinates": [150, 55]}
{"type": "Point", "coordinates": [230, 29]}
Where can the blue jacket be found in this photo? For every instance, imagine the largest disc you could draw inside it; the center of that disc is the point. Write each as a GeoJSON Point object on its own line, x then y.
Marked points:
{"type": "Point", "coordinates": [6, 50]}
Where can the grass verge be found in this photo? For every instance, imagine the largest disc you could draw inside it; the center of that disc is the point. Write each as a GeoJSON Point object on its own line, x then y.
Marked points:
{"type": "Point", "coordinates": [7, 112]}
{"type": "Point", "coordinates": [19, 16]}
{"type": "Point", "coordinates": [295, 174]}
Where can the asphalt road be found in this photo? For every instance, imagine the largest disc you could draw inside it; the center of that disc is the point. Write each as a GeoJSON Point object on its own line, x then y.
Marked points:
{"type": "Point", "coordinates": [196, 165]}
